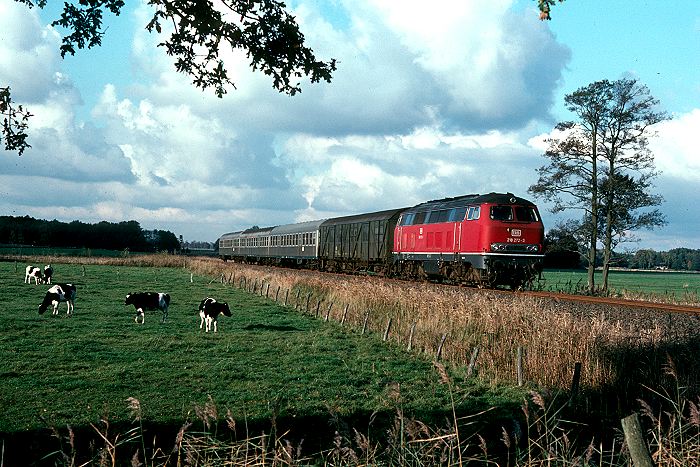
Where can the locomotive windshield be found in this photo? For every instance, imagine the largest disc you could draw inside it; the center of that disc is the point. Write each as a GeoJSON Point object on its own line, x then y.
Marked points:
{"type": "Point", "coordinates": [501, 213]}
{"type": "Point", "coordinates": [522, 213]}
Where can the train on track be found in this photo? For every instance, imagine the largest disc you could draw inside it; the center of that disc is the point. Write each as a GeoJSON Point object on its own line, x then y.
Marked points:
{"type": "Point", "coordinates": [488, 240]}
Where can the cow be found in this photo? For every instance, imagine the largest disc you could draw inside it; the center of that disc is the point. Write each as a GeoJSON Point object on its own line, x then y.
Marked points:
{"type": "Point", "coordinates": [148, 301]}
{"type": "Point", "coordinates": [209, 311]}
{"type": "Point", "coordinates": [48, 272]}
{"type": "Point", "coordinates": [57, 294]}
{"type": "Point", "coordinates": [33, 272]}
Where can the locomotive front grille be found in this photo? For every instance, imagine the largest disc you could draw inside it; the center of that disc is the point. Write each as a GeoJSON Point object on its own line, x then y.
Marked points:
{"type": "Point", "coordinates": [515, 247]}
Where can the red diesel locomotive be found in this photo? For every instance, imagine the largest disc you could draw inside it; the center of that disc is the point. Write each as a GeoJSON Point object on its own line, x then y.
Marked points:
{"type": "Point", "coordinates": [493, 239]}
{"type": "Point", "coordinates": [489, 240]}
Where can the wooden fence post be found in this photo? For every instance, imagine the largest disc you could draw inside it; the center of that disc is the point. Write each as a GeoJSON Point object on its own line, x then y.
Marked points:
{"type": "Point", "coordinates": [635, 441]}
{"type": "Point", "coordinates": [267, 291]}
{"type": "Point", "coordinates": [277, 294]}
{"type": "Point", "coordinates": [410, 337]}
{"type": "Point", "coordinates": [286, 296]}
{"type": "Point", "coordinates": [328, 313]}
{"type": "Point", "coordinates": [386, 331]}
{"type": "Point", "coordinates": [439, 350]}
{"type": "Point", "coordinates": [308, 298]}
{"type": "Point", "coordinates": [364, 324]}
{"type": "Point", "coordinates": [520, 366]}
{"type": "Point", "coordinates": [191, 278]}
{"type": "Point", "coordinates": [345, 314]}
{"type": "Point", "coordinates": [575, 382]}
{"type": "Point", "coordinates": [296, 300]}
{"type": "Point", "coordinates": [318, 307]}
{"type": "Point", "coordinates": [472, 361]}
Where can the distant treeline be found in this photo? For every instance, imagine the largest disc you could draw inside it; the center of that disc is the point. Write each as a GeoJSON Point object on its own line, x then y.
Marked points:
{"type": "Point", "coordinates": [103, 235]}
{"type": "Point", "coordinates": [679, 259]}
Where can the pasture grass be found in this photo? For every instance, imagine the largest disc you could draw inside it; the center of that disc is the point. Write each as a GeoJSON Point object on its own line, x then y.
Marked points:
{"type": "Point", "coordinates": [664, 286]}
{"type": "Point", "coordinates": [266, 360]}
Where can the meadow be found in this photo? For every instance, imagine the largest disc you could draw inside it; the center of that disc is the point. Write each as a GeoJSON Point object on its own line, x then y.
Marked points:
{"type": "Point", "coordinates": [327, 357]}
{"type": "Point", "coordinates": [670, 286]}
{"type": "Point", "coordinates": [266, 362]}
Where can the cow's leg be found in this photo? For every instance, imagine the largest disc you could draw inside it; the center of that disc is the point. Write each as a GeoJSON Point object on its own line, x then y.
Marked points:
{"type": "Point", "coordinates": [201, 319]}
{"type": "Point", "coordinates": [70, 307]}
{"type": "Point", "coordinates": [215, 321]}
{"type": "Point", "coordinates": [165, 314]}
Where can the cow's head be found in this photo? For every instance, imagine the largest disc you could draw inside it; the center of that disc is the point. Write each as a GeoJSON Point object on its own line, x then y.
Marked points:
{"type": "Point", "coordinates": [129, 300]}
{"type": "Point", "coordinates": [225, 309]}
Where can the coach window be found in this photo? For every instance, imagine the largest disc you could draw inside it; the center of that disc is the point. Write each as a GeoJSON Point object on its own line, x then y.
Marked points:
{"type": "Point", "coordinates": [419, 218]}
{"type": "Point", "coordinates": [501, 213]}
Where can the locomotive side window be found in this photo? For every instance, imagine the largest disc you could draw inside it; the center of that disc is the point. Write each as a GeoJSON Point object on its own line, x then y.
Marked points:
{"type": "Point", "coordinates": [501, 213]}
{"type": "Point", "coordinates": [444, 215]}
{"type": "Point", "coordinates": [407, 219]}
{"type": "Point", "coordinates": [473, 213]}
{"type": "Point", "coordinates": [526, 214]}
{"type": "Point", "coordinates": [457, 214]}
{"type": "Point", "coordinates": [419, 218]}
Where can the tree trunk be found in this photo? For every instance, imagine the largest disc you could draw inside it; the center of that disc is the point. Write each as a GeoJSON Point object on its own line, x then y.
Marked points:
{"type": "Point", "coordinates": [593, 239]}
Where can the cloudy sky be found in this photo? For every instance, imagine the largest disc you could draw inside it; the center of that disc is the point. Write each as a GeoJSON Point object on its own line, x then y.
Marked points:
{"type": "Point", "coordinates": [426, 103]}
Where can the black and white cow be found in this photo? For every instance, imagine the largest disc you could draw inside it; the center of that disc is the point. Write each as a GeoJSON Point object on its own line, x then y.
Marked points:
{"type": "Point", "coordinates": [209, 311]}
{"type": "Point", "coordinates": [33, 272]}
{"type": "Point", "coordinates": [57, 294]}
{"type": "Point", "coordinates": [48, 272]}
{"type": "Point", "coordinates": [148, 301]}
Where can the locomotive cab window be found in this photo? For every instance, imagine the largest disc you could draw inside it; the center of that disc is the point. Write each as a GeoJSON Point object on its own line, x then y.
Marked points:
{"type": "Point", "coordinates": [474, 212]}
{"type": "Point", "coordinates": [501, 213]}
{"type": "Point", "coordinates": [526, 214]}
{"type": "Point", "coordinates": [407, 219]}
{"type": "Point", "coordinates": [457, 214]}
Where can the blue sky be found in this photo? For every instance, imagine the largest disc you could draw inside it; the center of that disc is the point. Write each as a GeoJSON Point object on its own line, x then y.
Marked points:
{"type": "Point", "coordinates": [426, 103]}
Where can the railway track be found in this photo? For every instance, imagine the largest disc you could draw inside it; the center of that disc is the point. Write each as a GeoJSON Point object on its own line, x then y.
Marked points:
{"type": "Point", "coordinates": [667, 307]}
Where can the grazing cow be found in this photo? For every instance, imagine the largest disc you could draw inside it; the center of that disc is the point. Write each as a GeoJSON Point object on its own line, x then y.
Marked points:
{"type": "Point", "coordinates": [209, 311]}
{"type": "Point", "coordinates": [148, 301]}
{"type": "Point", "coordinates": [57, 294]}
{"type": "Point", "coordinates": [33, 272]}
{"type": "Point", "coordinates": [48, 272]}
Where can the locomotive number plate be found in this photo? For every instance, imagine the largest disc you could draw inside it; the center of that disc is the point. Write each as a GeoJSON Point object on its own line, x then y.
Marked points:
{"type": "Point", "coordinates": [516, 232]}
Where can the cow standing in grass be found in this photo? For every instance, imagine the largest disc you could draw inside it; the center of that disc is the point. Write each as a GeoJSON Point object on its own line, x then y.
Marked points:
{"type": "Point", "coordinates": [35, 273]}
{"type": "Point", "coordinates": [148, 301]}
{"type": "Point", "coordinates": [57, 294]}
{"type": "Point", "coordinates": [48, 272]}
{"type": "Point", "coordinates": [209, 311]}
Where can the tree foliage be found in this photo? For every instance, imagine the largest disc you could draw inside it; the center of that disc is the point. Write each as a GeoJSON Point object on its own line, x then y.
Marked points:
{"type": "Point", "coordinates": [601, 165]}
{"type": "Point", "coordinates": [15, 120]}
{"type": "Point", "coordinates": [197, 35]}
{"type": "Point", "coordinates": [103, 235]}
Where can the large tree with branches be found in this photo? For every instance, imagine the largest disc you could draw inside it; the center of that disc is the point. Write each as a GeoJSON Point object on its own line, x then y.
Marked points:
{"type": "Point", "coordinates": [600, 164]}
{"type": "Point", "coordinates": [195, 33]}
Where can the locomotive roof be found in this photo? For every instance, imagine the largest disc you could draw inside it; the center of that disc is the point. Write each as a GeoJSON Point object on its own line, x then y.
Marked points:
{"type": "Point", "coordinates": [372, 216]}
{"type": "Point", "coordinates": [467, 200]}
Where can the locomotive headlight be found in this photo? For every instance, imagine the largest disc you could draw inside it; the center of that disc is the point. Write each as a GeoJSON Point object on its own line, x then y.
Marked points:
{"type": "Point", "coordinates": [497, 247]}
{"type": "Point", "coordinates": [533, 248]}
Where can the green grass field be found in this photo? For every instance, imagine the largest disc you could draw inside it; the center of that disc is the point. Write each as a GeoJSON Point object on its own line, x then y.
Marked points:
{"type": "Point", "coordinates": [680, 285]}
{"type": "Point", "coordinates": [265, 359]}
